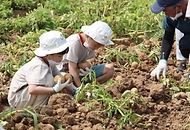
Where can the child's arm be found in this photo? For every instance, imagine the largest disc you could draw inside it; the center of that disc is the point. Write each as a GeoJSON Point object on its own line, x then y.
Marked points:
{"type": "Point", "coordinates": [73, 71]}
{"type": "Point", "coordinates": [39, 90]}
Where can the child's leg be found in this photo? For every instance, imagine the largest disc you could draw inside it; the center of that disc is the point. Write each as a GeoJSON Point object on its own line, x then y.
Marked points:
{"type": "Point", "coordinates": [104, 72]}
{"type": "Point", "coordinates": [24, 99]}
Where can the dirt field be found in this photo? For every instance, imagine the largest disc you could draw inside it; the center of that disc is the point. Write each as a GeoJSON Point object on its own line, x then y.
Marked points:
{"type": "Point", "coordinates": [162, 112]}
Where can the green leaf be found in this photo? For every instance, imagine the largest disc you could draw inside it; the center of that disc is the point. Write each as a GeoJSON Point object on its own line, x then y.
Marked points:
{"type": "Point", "coordinates": [175, 88]}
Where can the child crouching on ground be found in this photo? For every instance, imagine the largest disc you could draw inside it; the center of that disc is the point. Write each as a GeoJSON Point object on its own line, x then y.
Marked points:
{"type": "Point", "coordinates": [82, 47]}
{"type": "Point", "coordinates": [34, 82]}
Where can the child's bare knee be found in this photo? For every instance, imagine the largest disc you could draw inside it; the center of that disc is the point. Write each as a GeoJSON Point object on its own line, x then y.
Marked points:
{"type": "Point", "coordinates": [110, 70]}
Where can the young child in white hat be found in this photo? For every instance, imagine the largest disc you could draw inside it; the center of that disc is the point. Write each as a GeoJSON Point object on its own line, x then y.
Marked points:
{"type": "Point", "coordinates": [34, 82]}
{"type": "Point", "coordinates": [82, 47]}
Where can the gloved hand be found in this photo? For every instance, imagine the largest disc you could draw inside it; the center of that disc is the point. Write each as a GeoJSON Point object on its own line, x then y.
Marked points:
{"type": "Point", "coordinates": [162, 66]}
{"type": "Point", "coordinates": [86, 71]}
{"type": "Point", "coordinates": [58, 87]}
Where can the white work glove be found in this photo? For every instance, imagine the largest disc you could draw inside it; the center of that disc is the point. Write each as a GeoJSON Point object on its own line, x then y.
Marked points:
{"type": "Point", "coordinates": [86, 71]}
{"type": "Point", "coordinates": [162, 66]}
{"type": "Point", "coordinates": [58, 87]}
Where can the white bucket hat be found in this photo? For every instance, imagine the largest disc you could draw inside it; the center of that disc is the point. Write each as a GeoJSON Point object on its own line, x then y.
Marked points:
{"type": "Point", "coordinates": [51, 42]}
{"type": "Point", "coordinates": [99, 31]}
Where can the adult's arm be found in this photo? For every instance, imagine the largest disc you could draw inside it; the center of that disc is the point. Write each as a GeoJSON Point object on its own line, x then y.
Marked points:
{"type": "Point", "coordinates": [167, 43]}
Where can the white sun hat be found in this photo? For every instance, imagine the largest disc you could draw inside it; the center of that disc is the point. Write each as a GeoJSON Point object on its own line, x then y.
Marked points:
{"type": "Point", "coordinates": [51, 42]}
{"type": "Point", "coordinates": [99, 31]}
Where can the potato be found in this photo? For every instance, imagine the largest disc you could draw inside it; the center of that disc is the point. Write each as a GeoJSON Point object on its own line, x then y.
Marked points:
{"type": "Point", "coordinates": [68, 76]}
{"type": "Point", "coordinates": [84, 64]}
{"type": "Point", "coordinates": [59, 76]}
{"type": "Point", "coordinates": [134, 90]}
{"type": "Point", "coordinates": [183, 95]}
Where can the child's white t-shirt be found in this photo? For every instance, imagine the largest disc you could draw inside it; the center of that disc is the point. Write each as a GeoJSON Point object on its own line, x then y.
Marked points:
{"type": "Point", "coordinates": [33, 72]}
{"type": "Point", "coordinates": [77, 52]}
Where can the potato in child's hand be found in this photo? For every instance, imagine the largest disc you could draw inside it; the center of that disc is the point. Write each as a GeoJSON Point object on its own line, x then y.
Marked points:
{"type": "Point", "coordinates": [84, 64]}
{"type": "Point", "coordinates": [59, 76]}
{"type": "Point", "coordinates": [68, 76]}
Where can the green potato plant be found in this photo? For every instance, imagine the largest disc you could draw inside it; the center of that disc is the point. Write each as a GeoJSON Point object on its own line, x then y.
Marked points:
{"type": "Point", "coordinates": [123, 57]}
{"type": "Point", "coordinates": [24, 112]}
{"type": "Point", "coordinates": [112, 106]}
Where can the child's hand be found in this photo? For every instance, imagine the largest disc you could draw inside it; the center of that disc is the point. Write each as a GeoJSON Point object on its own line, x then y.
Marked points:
{"type": "Point", "coordinates": [84, 72]}
{"type": "Point", "coordinates": [58, 87]}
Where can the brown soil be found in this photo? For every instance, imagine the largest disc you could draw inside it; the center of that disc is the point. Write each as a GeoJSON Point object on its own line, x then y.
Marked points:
{"type": "Point", "coordinates": [19, 13]}
{"type": "Point", "coordinates": [162, 112]}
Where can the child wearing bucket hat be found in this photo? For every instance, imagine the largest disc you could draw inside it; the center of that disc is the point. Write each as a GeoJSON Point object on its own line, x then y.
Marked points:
{"type": "Point", "coordinates": [175, 18]}
{"type": "Point", "coordinates": [82, 47]}
{"type": "Point", "coordinates": [34, 82]}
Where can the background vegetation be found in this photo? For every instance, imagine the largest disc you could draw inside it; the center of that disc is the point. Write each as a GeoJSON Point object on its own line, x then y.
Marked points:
{"type": "Point", "coordinates": [18, 35]}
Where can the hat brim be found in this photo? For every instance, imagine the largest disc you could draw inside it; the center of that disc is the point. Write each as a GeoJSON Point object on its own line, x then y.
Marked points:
{"type": "Point", "coordinates": [156, 9]}
{"type": "Point", "coordinates": [40, 52]}
{"type": "Point", "coordinates": [109, 43]}
{"type": "Point", "coordinates": [86, 30]}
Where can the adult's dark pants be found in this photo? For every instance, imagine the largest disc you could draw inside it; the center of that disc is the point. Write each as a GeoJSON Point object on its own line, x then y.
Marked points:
{"type": "Point", "coordinates": [184, 45]}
